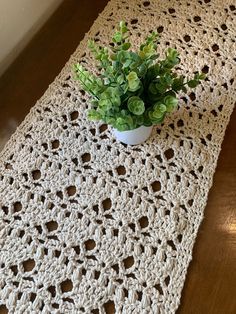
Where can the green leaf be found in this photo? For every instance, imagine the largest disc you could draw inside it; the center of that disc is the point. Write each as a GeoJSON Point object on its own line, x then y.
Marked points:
{"type": "Point", "coordinates": [125, 87]}
{"type": "Point", "coordinates": [177, 83]}
{"type": "Point", "coordinates": [127, 63]}
{"type": "Point", "coordinates": [129, 89]}
{"type": "Point", "coordinates": [132, 76]}
{"type": "Point", "coordinates": [133, 81]}
{"type": "Point", "coordinates": [193, 83]}
{"type": "Point", "coordinates": [156, 116]}
{"type": "Point", "coordinates": [105, 103]}
{"type": "Point", "coordinates": [123, 27]}
{"type": "Point", "coordinates": [136, 105]}
{"type": "Point", "coordinates": [184, 89]}
{"type": "Point", "coordinates": [138, 120]}
{"type": "Point", "coordinates": [120, 79]}
{"type": "Point", "coordinates": [89, 82]}
{"type": "Point", "coordinates": [109, 99]}
{"type": "Point", "coordinates": [110, 120]}
{"type": "Point", "coordinates": [124, 122]}
{"type": "Point", "coordinates": [152, 73]}
{"type": "Point", "coordinates": [126, 46]}
{"type": "Point", "coordinates": [142, 70]}
{"type": "Point", "coordinates": [202, 76]}
{"type": "Point", "coordinates": [172, 53]}
{"type": "Point", "coordinates": [154, 57]}
{"type": "Point", "coordinates": [152, 88]}
{"type": "Point", "coordinates": [199, 76]}
{"type": "Point", "coordinates": [171, 103]}
{"type": "Point", "coordinates": [161, 87]}
{"type": "Point", "coordinates": [117, 37]}
{"type": "Point", "coordinates": [91, 44]}
{"type": "Point", "coordinates": [113, 57]}
{"type": "Point", "coordinates": [146, 120]}
{"type": "Point", "coordinates": [93, 115]}
{"type": "Point", "coordinates": [159, 108]}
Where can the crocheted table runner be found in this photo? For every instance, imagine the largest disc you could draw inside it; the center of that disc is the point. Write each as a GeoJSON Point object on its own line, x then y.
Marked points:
{"type": "Point", "coordinates": [89, 225]}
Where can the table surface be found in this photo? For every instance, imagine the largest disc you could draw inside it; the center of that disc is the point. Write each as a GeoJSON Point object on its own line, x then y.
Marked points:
{"type": "Point", "coordinates": [210, 285]}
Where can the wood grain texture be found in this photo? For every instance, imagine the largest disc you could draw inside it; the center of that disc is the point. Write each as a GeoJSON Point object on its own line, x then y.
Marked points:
{"type": "Point", "coordinates": [210, 285]}
{"type": "Point", "coordinates": [36, 67]}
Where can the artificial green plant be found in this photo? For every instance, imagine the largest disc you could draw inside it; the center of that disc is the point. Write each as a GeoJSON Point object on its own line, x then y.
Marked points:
{"type": "Point", "coordinates": [133, 88]}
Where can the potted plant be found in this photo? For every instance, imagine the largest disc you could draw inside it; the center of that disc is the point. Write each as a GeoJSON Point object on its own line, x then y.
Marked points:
{"type": "Point", "coordinates": [133, 90]}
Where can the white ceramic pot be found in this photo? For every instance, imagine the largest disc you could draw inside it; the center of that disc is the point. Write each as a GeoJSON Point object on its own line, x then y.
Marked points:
{"type": "Point", "coordinates": [134, 137]}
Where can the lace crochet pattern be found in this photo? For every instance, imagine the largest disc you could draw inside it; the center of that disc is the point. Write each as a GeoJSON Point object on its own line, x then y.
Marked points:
{"type": "Point", "coordinates": [89, 225]}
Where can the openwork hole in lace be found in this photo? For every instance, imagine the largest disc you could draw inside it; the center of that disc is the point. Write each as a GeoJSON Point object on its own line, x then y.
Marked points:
{"type": "Point", "coordinates": [103, 128]}
{"type": "Point", "coordinates": [143, 221]}
{"type": "Point", "coordinates": [51, 225]}
{"type": "Point", "coordinates": [169, 153]}
{"type": "Point", "coordinates": [134, 21]}
{"type": "Point", "coordinates": [57, 253]}
{"type": "Point", "coordinates": [71, 190]}
{"type": "Point", "coordinates": [215, 47]}
{"type": "Point", "coordinates": [32, 296]}
{"type": "Point", "coordinates": [121, 170]}
{"type": "Point", "coordinates": [77, 249]}
{"type": "Point", "coordinates": [171, 244]}
{"type": "Point", "coordinates": [106, 204]}
{"type": "Point", "coordinates": [52, 290]}
{"type": "Point", "coordinates": [74, 115]}
{"type": "Point", "coordinates": [205, 69]}
{"type": "Point", "coordinates": [187, 38]}
{"type": "Point", "coordinates": [66, 285]}
{"type": "Point", "coordinates": [36, 174]}
{"type": "Point", "coordinates": [197, 18]}
{"type": "Point", "coordinates": [160, 29]}
{"type": "Point", "coordinates": [156, 186]}
{"type": "Point", "coordinates": [17, 207]}
{"type": "Point", "coordinates": [3, 309]}
{"type": "Point", "coordinates": [158, 287]}
{"type": "Point", "coordinates": [128, 262]}
{"type": "Point", "coordinates": [90, 244]}
{"type": "Point", "coordinates": [55, 144]}
{"type": "Point", "coordinates": [14, 269]}
{"type": "Point", "coordinates": [116, 268]}
{"type": "Point", "coordinates": [55, 305]}
{"type": "Point", "coordinates": [146, 3]}
{"type": "Point", "coordinates": [109, 307]}
{"type": "Point", "coordinates": [86, 157]}
{"type": "Point", "coordinates": [28, 265]}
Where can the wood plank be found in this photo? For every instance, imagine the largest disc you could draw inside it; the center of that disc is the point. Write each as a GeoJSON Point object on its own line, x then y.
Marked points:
{"type": "Point", "coordinates": [210, 286]}
{"type": "Point", "coordinates": [36, 67]}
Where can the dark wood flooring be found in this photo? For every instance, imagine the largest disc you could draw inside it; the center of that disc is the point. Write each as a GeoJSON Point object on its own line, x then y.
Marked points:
{"type": "Point", "coordinates": [210, 287]}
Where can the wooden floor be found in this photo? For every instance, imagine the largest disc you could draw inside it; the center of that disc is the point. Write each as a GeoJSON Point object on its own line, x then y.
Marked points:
{"type": "Point", "coordinates": [210, 287]}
